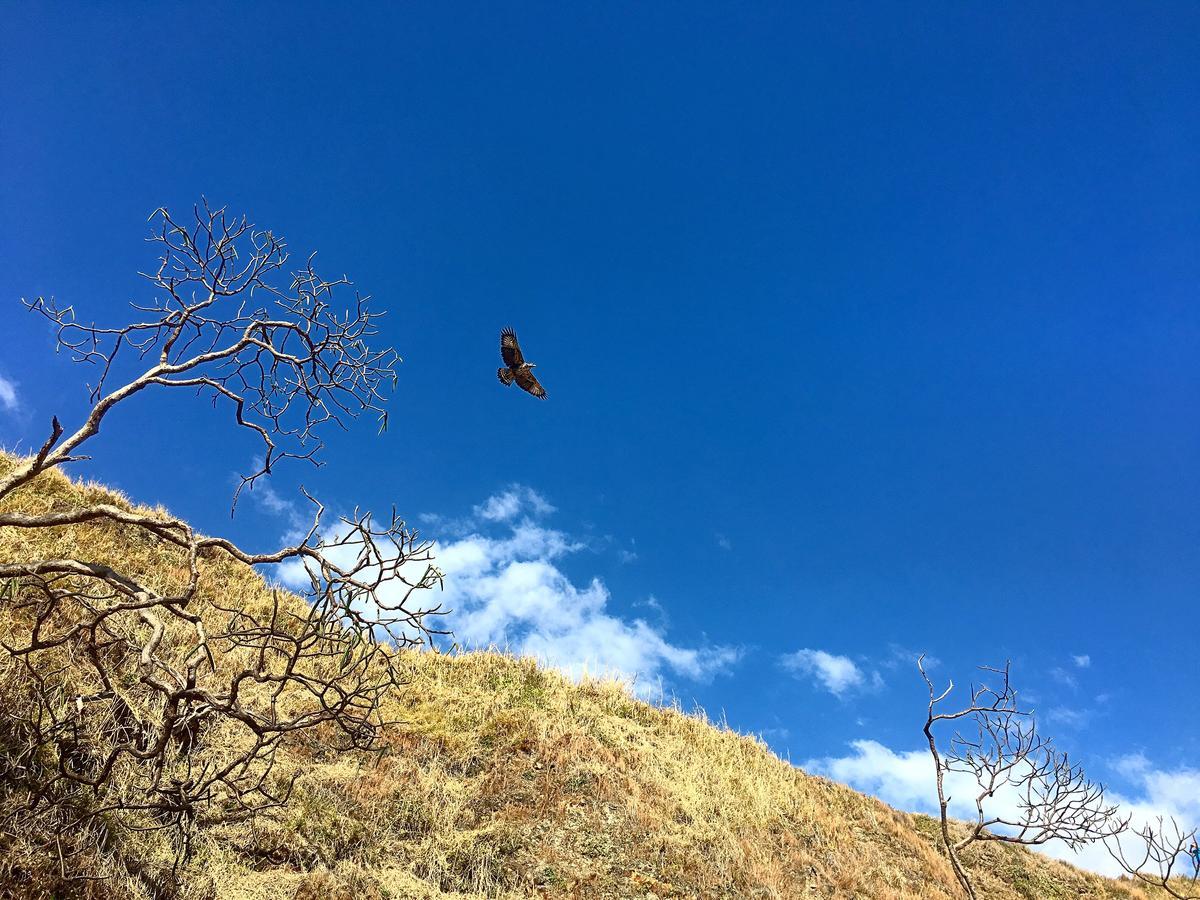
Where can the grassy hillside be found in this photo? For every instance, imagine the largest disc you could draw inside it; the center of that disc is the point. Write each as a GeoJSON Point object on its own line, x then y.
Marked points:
{"type": "Point", "coordinates": [503, 780]}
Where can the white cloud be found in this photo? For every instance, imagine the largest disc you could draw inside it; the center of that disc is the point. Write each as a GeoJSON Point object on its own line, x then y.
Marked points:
{"type": "Point", "coordinates": [514, 501]}
{"type": "Point", "coordinates": [904, 779]}
{"type": "Point", "coordinates": [1174, 793]}
{"type": "Point", "coordinates": [505, 586]}
{"type": "Point", "coordinates": [1082, 661]}
{"type": "Point", "coordinates": [8, 395]}
{"type": "Point", "coordinates": [1165, 792]}
{"type": "Point", "coordinates": [509, 591]}
{"type": "Point", "coordinates": [1169, 794]}
{"type": "Point", "coordinates": [1132, 765]}
{"type": "Point", "coordinates": [837, 674]}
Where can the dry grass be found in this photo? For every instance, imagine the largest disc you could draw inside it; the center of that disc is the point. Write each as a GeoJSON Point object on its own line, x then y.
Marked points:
{"type": "Point", "coordinates": [503, 780]}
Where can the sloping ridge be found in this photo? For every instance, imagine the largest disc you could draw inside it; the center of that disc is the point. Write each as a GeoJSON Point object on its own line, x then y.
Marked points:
{"type": "Point", "coordinates": [504, 780]}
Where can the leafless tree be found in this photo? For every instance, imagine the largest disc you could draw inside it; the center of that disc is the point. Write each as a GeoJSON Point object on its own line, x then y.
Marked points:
{"type": "Point", "coordinates": [1151, 854]}
{"type": "Point", "coordinates": [165, 662]}
{"type": "Point", "coordinates": [997, 745]}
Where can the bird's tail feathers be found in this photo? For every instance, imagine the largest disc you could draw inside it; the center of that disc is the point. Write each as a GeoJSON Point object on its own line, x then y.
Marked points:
{"type": "Point", "coordinates": [505, 375]}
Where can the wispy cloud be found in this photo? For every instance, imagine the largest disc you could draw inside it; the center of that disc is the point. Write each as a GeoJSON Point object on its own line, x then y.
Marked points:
{"type": "Point", "coordinates": [1082, 662]}
{"type": "Point", "coordinates": [1062, 676]}
{"type": "Point", "coordinates": [1068, 716]}
{"type": "Point", "coordinates": [514, 501]}
{"type": "Point", "coordinates": [652, 604]}
{"type": "Point", "coordinates": [837, 674]}
{"type": "Point", "coordinates": [1132, 765]}
{"type": "Point", "coordinates": [264, 496]}
{"type": "Point", "coordinates": [899, 657]}
{"type": "Point", "coordinates": [723, 542]}
{"type": "Point", "coordinates": [9, 400]}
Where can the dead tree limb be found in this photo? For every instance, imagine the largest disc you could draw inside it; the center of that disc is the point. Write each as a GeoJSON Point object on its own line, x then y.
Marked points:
{"type": "Point", "coordinates": [1151, 854]}
{"type": "Point", "coordinates": [1023, 789]}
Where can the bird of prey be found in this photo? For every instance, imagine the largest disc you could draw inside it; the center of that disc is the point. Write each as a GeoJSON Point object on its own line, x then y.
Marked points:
{"type": "Point", "coordinates": [515, 368]}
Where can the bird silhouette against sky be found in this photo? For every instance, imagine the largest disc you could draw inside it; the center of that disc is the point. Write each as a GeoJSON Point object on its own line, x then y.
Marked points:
{"type": "Point", "coordinates": [515, 367]}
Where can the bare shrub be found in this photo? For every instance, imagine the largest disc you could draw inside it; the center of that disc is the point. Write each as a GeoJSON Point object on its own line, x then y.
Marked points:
{"type": "Point", "coordinates": [997, 745]}
{"type": "Point", "coordinates": [1151, 854]}
{"type": "Point", "coordinates": [114, 676]}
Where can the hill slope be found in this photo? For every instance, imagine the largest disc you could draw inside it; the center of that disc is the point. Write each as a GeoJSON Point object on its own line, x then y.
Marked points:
{"type": "Point", "coordinates": [502, 780]}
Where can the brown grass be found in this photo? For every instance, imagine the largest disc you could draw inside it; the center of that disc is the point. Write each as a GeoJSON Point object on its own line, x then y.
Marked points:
{"type": "Point", "coordinates": [504, 780]}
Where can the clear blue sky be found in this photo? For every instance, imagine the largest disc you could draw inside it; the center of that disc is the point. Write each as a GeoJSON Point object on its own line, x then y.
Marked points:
{"type": "Point", "coordinates": [865, 326]}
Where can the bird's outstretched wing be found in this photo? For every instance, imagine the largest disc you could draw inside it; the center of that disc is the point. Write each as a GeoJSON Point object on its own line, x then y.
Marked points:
{"type": "Point", "coordinates": [510, 349]}
{"type": "Point", "coordinates": [526, 382]}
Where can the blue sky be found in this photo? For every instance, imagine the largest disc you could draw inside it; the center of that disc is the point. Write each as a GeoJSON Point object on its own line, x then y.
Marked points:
{"type": "Point", "coordinates": [867, 328]}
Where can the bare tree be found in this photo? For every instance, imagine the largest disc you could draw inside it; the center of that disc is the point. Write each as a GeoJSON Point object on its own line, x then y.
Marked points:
{"type": "Point", "coordinates": [997, 745]}
{"type": "Point", "coordinates": [123, 674]}
{"type": "Point", "coordinates": [1151, 853]}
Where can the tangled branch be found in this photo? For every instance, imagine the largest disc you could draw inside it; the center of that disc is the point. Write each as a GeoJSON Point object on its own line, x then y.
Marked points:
{"type": "Point", "coordinates": [1002, 752]}
{"type": "Point", "coordinates": [126, 673]}
{"type": "Point", "coordinates": [1151, 855]}
{"type": "Point", "coordinates": [286, 360]}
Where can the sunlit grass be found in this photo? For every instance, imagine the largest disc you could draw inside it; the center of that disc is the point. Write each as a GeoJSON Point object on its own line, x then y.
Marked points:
{"type": "Point", "coordinates": [502, 780]}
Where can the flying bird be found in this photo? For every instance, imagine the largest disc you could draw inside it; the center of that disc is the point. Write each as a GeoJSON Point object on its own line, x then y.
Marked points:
{"type": "Point", "coordinates": [515, 368]}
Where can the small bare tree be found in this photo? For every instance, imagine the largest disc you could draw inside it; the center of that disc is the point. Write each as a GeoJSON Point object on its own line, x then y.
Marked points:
{"type": "Point", "coordinates": [122, 674]}
{"type": "Point", "coordinates": [1151, 855]}
{"type": "Point", "coordinates": [997, 745]}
